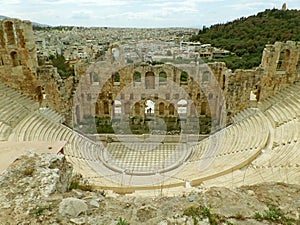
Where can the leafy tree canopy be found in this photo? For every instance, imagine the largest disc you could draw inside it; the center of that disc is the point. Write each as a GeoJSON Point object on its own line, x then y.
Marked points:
{"type": "Point", "coordinates": [63, 68]}
{"type": "Point", "coordinates": [247, 37]}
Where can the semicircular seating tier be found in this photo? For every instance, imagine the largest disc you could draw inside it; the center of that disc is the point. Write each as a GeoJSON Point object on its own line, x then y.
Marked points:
{"type": "Point", "coordinates": [280, 160]}
{"type": "Point", "coordinates": [260, 146]}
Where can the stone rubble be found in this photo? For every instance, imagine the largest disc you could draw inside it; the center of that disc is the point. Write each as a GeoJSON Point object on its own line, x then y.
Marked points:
{"type": "Point", "coordinates": [35, 190]}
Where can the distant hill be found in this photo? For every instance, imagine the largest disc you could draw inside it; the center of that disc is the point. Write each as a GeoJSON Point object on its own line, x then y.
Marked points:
{"type": "Point", "coordinates": [247, 37]}
{"type": "Point", "coordinates": [34, 24]}
{"type": "Point", "coordinates": [3, 17]}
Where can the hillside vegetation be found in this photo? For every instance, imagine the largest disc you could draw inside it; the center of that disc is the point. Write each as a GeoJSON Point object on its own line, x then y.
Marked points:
{"type": "Point", "coordinates": [247, 37]}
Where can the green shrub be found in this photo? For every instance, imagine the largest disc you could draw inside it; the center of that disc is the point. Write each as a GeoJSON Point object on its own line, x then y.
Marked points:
{"type": "Point", "coordinates": [122, 221]}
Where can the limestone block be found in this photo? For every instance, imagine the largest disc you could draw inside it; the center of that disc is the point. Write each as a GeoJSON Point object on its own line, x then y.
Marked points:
{"type": "Point", "coordinates": [72, 207]}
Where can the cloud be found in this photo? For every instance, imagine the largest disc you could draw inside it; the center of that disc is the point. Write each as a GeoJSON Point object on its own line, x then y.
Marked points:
{"type": "Point", "coordinates": [251, 5]}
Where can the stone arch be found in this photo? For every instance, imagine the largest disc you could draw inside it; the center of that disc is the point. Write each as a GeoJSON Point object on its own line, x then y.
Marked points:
{"type": "Point", "coordinates": [184, 76]}
{"type": "Point", "coordinates": [162, 77]}
{"type": "Point", "coordinates": [171, 109]}
{"type": "Point", "coordinates": [150, 107]}
{"type": "Point", "coordinates": [116, 77]}
{"type": "Point", "coordinates": [283, 60]}
{"type": "Point", "coordinates": [150, 80]}
{"type": "Point", "coordinates": [137, 108]}
{"type": "Point", "coordinates": [137, 76]}
{"type": "Point", "coordinates": [161, 109]}
{"type": "Point", "coordinates": [115, 51]}
{"type": "Point", "coordinates": [117, 108]}
{"type": "Point", "coordinates": [97, 108]}
{"type": "Point", "coordinates": [15, 58]}
{"type": "Point", "coordinates": [10, 32]}
{"type": "Point", "coordinates": [223, 82]}
{"type": "Point", "coordinates": [182, 107]}
{"type": "Point", "coordinates": [1, 61]}
{"type": "Point", "coordinates": [105, 108]}
{"type": "Point", "coordinates": [203, 108]}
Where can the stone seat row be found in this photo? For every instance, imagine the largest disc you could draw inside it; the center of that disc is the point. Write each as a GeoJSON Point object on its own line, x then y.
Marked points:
{"type": "Point", "coordinates": [5, 131]}
{"type": "Point", "coordinates": [246, 135]}
{"type": "Point", "coordinates": [287, 132]}
{"type": "Point", "coordinates": [283, 112]}
{"type": "Point", "coordinates": [243, 115]}
{"type": "Point", "coordinates": [279, 156]}
{"type": "Point", "coordinates": [51, 114]}
{"type": "Point", "coordinates": [38, 128]}
{"type": "Point", "coordinates": [253, 175]}
{"type": "Point", "coordinates": [15, 96]}
{"type": "Point", "coordinates": [291, 92]}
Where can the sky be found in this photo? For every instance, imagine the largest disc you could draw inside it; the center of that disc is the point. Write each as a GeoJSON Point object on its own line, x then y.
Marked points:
{"type": "Point", "coordinates": [137, 13]}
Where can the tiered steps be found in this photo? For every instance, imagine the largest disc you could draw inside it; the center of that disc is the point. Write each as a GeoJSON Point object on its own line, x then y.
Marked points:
{"type": "Point", "coordinates": [51, 114]}
{"type": "Point", "coordinates": [244, 114]}
{"type": "Point", "coordinates": [14, 107]}
{"type": "Point", "coordinates": [280, 161]}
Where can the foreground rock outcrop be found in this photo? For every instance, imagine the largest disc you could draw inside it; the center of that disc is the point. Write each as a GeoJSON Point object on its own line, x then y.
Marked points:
{"type": "Point", "coordinates": [40, 189]}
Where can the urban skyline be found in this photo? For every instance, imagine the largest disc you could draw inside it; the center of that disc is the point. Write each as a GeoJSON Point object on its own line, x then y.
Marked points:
{"type": "Point", "coordinates": [137, 13]}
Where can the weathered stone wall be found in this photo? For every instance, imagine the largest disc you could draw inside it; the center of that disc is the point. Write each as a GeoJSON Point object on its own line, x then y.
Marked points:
{"type": "Point", "coordinates": [18, 62]}
{"type": "Point", "coordinates": [279, 68]}
{"type": "Point", "coordinates": [280, 63]}
{"type": "Point", "coordinates": [19, 68]}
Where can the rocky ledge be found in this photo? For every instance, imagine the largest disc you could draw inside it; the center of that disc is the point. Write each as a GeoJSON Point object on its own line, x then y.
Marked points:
{"type": "Point", "coordinates": [42, 189]}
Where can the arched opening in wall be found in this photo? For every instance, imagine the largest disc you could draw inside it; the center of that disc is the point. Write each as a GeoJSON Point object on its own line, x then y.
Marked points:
{"type": "Point", "coordinates": [198, 97]}
{"type": "Point", "coordinates": [162, 78]}
{"type": "Point", "coordinates": [150, 107]}
{"type": "Point", "coordinates": [117, 108]}
{"type": "Point", "coordinates": [116, 78]}
{"type": "Point", "coordinates": [115, 53]}
{"type": "Point", "coordinates": [15, 58]}
{"type": "Point", "coordinates": [252, 96]}
{"type": "Point", "coordinates": [1, 61]}
{"type": "Point", "coordinates": [2, 43]}
{"type": "Point", "coordinates": [258, 94]}
{"type": "Point", "coordinates": [284, 58]}
{"type": "Point", "coordinates": [97, 108]}
{"type": "Point", "coordinates": [105, 108]}
{"type": "Point", "coordinates": [10, 32]}
{"type": "Point", "coordinates": [205, 76]}
{"type": "Point", "coordinates": [137, 76]}
{"type": "Point", "coordinates": [203, 108]}
{"type": "Point", "coordinates": [150, 80]}
{"type": "Point", "coordinates": [161, 109]}
{"type": "Point", "coordinates": [137, 109]}
{"type": "Point", "coordinates": [223, 83]}
{"type": "Point", "coordinates": [182, 107]}
{"type": "Point", "coordinates": [171, 109]}
{"type": "Point", "coordinates": [184, 77]}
